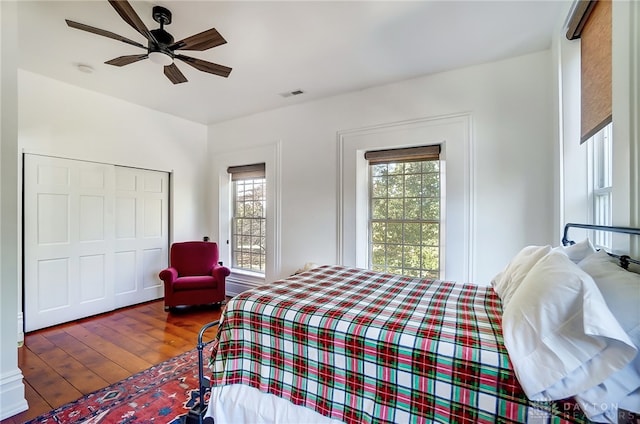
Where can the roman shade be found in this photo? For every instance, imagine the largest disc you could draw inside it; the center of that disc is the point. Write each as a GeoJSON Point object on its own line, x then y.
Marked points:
{"type": "Point", "coordinates": [247, 172]}
{"type": "Point", "coordinates": [403, 155]}
{"type": "Point", "coordinates": [591, 22]}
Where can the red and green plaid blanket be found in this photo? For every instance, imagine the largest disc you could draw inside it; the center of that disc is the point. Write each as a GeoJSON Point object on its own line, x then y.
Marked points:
{"type": "Point", "coordinates": [365, 347]}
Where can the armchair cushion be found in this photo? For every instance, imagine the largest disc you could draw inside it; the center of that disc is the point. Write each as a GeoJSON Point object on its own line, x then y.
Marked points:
{"type": "Point", "coordinates": [195, 282]}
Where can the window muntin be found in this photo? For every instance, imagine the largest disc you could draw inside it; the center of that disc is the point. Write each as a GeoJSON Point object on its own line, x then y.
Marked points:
{"type": "Point", "coordinates": [248, 230]}
{"type": "Point", "coordinates": [404, 210]}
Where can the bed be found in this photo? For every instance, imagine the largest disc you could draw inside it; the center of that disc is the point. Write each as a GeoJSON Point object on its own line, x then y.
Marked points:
{"type": "Point", "coordinates": [340, 344]}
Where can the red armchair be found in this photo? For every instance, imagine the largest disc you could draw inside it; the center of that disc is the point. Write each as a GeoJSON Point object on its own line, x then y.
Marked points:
{"type": "Point", "coordinates": [194, 276]}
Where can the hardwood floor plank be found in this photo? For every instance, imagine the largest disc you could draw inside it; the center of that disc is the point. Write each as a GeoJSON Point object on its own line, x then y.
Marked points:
{"type": "Point", "coordinates": [138, 343]}
{"type": "Point", "coordinates": [47, 382]}
{"type": "Point", "coordinates": [69, 368]}
{"type": "Point", "coordinates": [60, 364]}
{"type": "Point", "coordinates": [95, 363]}
{"type": "Point", "coordinates": [171, 334]}
{"type": "Point", "coordinates": [38, 343]}
{"type": "Point", "coordinates": [185, 324]}
{"type": "Point", "coordinates": [114, 352]}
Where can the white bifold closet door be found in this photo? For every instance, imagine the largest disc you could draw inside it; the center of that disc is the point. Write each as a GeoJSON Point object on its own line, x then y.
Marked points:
{"type": "Point", "coordinates": [95, 238]}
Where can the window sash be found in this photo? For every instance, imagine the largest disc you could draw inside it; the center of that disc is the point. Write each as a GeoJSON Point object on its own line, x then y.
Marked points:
{"type": "Point", "coordinates": [248, 230]}
{"type": "Point", "coordinates": [602, 205]}
{"type": "Point", "coordinates": [248, 248]}
{"type": "Point", "coordinates": [400, 253]}
{"type": "Point", "coordinates": [601, 193]}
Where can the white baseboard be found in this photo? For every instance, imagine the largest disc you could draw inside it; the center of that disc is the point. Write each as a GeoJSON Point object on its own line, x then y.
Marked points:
{"type": "Point", "coordinates": [12, 400]}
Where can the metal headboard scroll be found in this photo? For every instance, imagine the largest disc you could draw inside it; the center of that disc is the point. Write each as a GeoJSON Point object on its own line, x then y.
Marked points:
{"type": "Point", "coordinates": [625, 260]}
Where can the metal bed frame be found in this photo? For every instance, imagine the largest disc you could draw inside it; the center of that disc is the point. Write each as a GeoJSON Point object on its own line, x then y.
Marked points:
{"type": "Point", "coordinates": [197, 412]}
{"type": "Point", "coordinates": [625, 260]}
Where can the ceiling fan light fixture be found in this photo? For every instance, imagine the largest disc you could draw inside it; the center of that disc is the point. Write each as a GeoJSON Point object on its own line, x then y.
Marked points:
{"type": "Point", "coordinates": [160, 58]}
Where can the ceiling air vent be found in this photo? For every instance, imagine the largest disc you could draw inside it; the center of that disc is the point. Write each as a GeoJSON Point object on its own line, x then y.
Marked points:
{"type": "Point", "coordinates": [292, 93]}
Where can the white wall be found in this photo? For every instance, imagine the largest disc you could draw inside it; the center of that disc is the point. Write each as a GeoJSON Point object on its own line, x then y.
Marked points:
{"type": "Point", "coordinates": [513, 141]}
{"type": "Point", "coordinates": [62, 120]}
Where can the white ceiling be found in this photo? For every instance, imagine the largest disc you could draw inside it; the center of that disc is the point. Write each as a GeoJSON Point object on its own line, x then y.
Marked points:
{"type": "Point", "coordinates": [321, 47]}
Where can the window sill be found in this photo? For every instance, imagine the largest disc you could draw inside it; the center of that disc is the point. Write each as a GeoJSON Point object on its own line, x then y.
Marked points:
{"type": "Point", "coordinates": [249, 275]}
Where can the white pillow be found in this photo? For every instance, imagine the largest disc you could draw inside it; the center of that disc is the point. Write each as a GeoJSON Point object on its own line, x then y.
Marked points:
{"type": "Point", "coordinates": [561, 337]}
{"type": "Point", "coordinates": [507, 281]}
{"type": "Point", "coordinates": [600, 403]}
{"type": "Point", "coordinates": [578, 251]}
{"type": "Point", "coordinates": [621, 290]}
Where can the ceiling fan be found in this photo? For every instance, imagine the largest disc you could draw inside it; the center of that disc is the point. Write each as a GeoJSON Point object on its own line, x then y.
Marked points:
{"type": "Point", "coordinates": [161, 47]}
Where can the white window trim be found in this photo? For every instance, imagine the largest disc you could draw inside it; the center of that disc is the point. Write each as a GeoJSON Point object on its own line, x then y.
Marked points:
{"type": "Point", "coordinates": [241, 280]}
{"type": "Point", "coordinates": [453, 132]}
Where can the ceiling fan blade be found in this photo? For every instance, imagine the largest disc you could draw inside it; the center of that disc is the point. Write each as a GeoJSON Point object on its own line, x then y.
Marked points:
{"type": "Point", "coordinates": [126, 60]}
{"type": "Point", "coordinates": [204, 66]}
{"type": "Point", "coordinates": [202, 41]}
{"type": "Point", "coordinates": [173, 73]}
{"type": "Point", "coordinates": [130, 16]}
{"type": "Point", "coordinates": [103, 32]}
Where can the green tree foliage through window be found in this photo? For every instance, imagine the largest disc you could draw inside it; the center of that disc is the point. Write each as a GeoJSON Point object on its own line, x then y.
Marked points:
{"type": "Point", "coordinates": [404, 231]}
{"type": "Point", "coordinates": [249, 225]}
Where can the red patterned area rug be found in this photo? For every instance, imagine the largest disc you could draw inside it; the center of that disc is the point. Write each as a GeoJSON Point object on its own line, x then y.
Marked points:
{"type": "Point", "coordinates": [163, 393]}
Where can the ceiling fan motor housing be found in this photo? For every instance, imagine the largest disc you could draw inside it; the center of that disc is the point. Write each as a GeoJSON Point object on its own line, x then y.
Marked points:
{"type": "Point", "coordinates": [163, 37]}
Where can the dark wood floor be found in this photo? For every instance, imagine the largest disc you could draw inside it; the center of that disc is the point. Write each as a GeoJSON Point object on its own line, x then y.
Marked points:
{"type": "Point", "coordinates": [63, 363]}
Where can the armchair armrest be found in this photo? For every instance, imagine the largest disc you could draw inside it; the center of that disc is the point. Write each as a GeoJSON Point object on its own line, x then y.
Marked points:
{"type": "Point", "coordinates": [220, 272]}
{"type": "Point", "coordinates": [168, 275]}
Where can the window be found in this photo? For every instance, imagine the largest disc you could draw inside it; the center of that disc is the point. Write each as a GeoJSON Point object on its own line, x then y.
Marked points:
{"type": "Point", "coordinates": [601, 187]}
{"type": "Point", "coordinates": [248, 226]}
{"type": "Point", "coordinates": [404, 211]}
{"type": "Point", "coordinates": [591, 22]}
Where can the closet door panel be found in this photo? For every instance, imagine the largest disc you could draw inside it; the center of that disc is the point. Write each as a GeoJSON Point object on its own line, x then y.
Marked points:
{"type": "Point", "coordinates": [142, 235]}
{"type": "Point", "coordinates": [68, 240]}
{"type": "Point", "coordinates": [152, 260]}
{"type": "Point", "coordinates": [52, 290]}
{"type": "Point", "coordinates": [125, 272]}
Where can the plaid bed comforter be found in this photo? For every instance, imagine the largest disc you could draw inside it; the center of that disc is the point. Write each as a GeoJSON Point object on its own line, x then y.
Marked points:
{"type": "Point", "coordinates": [365, 347]}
